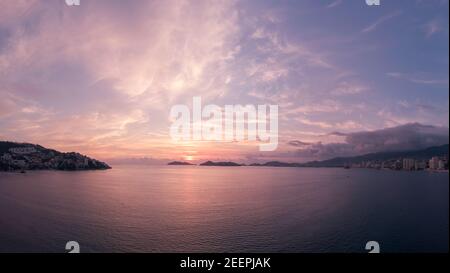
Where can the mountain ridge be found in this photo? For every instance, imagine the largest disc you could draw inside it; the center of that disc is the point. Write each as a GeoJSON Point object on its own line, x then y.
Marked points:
{"type": "Point", "coordinates": [421, 154]}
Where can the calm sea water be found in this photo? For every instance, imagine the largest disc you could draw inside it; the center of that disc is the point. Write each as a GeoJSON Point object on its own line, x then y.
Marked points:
{"type": "Point", "coordinates": [224, 209]}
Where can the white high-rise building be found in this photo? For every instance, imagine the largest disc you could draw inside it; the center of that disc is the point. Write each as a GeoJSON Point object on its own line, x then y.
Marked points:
{"type": "Point", "coordinates": [434, 163]}
{"type": "Point", "coordinates": [408, 164]}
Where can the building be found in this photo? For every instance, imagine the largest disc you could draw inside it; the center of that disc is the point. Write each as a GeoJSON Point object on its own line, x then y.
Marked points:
{"type": "Point", "coordinates": [6, 157]}
{"type": "Point", "coordinates": [434, 163]}
{"type": "Point", "coordinates": [23, 150]}
{"type": "Point", "coordinates": [20, 163]}
{"type": "Point", "coordinates": [420, 165]}
{"type": "Point", "coordinates": [408, 164]}
{"type": "Point", "coordinates": [397, 165]}
{"type": "Point", "coordinates": [441, 165]}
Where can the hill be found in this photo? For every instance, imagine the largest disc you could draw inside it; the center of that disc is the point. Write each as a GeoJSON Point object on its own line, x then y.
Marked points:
{"type": "Point", "coordinates": [180, 163]}
{"type": "Point", "coordinates": [26, 156]}
{"type": "Point", "coordinates": [221, 164]}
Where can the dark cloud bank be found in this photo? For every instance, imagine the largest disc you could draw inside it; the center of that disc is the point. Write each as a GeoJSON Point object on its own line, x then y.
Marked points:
{"type": "Point", "coordinates": [413, 136]}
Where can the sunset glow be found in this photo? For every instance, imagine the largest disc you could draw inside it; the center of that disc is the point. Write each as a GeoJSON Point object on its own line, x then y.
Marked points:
{"type": "Point", "coordinates": [111, 98]}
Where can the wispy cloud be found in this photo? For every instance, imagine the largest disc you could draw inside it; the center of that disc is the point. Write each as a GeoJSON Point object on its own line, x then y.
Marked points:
{"type": "Point", "coordinates": [380, 21]}
{"type": "Point", "coordinates": [321, 124]}
{"type": "Point", "coordinates": [347, 88]}
{"type": "Point", "coordinates": [334, 4]}
{"type": "Point", "coordinates": [418, 78]}
{"type": "Point", "coordinates": [432, 27]}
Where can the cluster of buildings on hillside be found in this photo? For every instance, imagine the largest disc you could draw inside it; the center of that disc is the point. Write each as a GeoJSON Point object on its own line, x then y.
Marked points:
{"type": "Point", "coordinates": [29, 158]}
{"type": "Point", "coordinates": [409, 164]}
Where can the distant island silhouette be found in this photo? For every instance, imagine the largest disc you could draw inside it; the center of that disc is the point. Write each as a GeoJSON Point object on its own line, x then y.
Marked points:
{"type": "Point", "coordinates": [424, 154]}
{"type": "Point", "coordinates": [221, 164]}
{"type": "Point", "coordinates": [182, 163]}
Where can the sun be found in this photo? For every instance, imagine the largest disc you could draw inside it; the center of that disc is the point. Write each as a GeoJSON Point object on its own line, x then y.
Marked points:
{"type": "Point", "coordinates": [188, 157]}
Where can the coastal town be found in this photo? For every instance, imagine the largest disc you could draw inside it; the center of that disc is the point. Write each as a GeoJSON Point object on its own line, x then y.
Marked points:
{"type": "Point", "coordinates": [34, 157]}
{"type": "Point", "coordinates": [435, 163]}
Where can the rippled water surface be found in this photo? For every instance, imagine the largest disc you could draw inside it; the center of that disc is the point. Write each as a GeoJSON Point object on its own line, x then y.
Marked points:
{"type": "Point", "coordinates": [224, 209]}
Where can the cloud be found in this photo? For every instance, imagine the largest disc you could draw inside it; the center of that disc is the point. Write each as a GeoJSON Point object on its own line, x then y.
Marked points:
{"type": "Point", "coordinates": [320, 124]}
{"type": "Point", "coordinates": [347, 88]}
{"type": "Point", "coordinates": [15, 11]}
{"type": "Point", "coordinates": [298, 143]}
{"type": "Point", "coordinates": [324, 106]}
{"type": "Point", "coordinates": [7, 105]}
{"type": "Point", "coordinates": [337, 134]}
{"type": "Point", "coordinates": [334, 4]}
{"type": "Point", "coordinates": [107, 71]}
{"type": "Point", "coordinates": [380, 21]}
{"type": "Point", "coordinates": [156, 51]}
{"type": "Point", "coordinates": [413, 136]}
{"type": "Point", "coordinates": [101, 78]}
{"type": "Point", "coordinates": [349, 125]}
{"type": "Point", "coordinates": [419, 78]}
{"type": "Point", "coordinates": [277, 46]}
{"type": "Point", "coordinates": [432, 27]}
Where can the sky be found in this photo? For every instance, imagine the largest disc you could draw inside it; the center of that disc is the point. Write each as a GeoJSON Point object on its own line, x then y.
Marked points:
{"type": "Point", "coordinates": [101, 78]}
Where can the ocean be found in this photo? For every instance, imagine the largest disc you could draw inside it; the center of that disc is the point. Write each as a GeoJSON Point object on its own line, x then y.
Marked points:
{"type": "Point", "coordinates": [224, 209]}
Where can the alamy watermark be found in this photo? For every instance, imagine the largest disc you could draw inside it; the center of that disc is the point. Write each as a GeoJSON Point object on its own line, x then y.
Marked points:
{"type": "Point", "coordinates": [230, 123]}
{"type": "Point", "coordinates": [73, 2]}
{"type": "Point", "coordinates": [373, 247]}
{"type": "Point", "coordinates": [373, 2]}
{"type": "Point", "coordinates": [73, 247]}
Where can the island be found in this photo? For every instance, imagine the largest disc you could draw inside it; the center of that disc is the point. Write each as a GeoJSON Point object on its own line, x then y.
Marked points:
{"type": "Point", "coordinates": [276, 164]}
{"type": "Point", "coordinates": [25, 156]}
{"type": "Point", "coordinates": [180, 163]}
{"type": "Point", "coordinates": [221, 164]}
